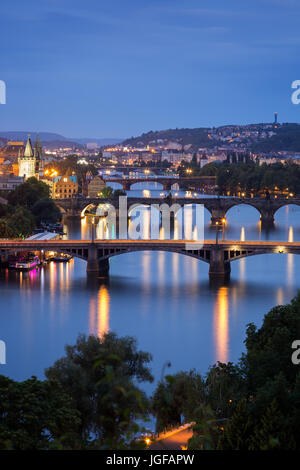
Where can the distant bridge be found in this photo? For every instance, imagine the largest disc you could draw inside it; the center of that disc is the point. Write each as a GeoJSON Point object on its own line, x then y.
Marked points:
{"type": "Point", "coordinates": [201, 182]}
{"type": "Point", "coordinates": [218, 255]}
{"type": "Point", "coordinates": [217, 206]}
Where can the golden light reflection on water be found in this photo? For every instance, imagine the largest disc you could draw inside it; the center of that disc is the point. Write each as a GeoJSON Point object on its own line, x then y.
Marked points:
{"type": "Point", "coordinates": [259, 229]}
{"type": "Point", "coordinates": [84, 229]}
{"type": "Point", "coordinates": [99, 313]}
{"type": "Point", "coordinates": [220, 325]}
{"type": "Point", "coordinates": [279, 296]}
{"type": "Point", "coordinates": [161, 266]}
{"type": "Point", "coordinates": [52, 282]}
{"type": "Point", "coordinates": [162, 233]}
{"type": "Point", "coordinates": [177, 227]}
{"type": "Point", "coordinates": [146, 270]}
{"type": "Point", "coordinates": [290, 262]}
{"type": "Point", "coordinates": [188, 222]}
{"type": "Point", "coordinates": [175, 271]}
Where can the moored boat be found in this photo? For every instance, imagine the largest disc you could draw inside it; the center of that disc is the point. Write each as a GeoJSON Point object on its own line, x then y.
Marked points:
{"type": "Point", "coordinates": [25, 263]}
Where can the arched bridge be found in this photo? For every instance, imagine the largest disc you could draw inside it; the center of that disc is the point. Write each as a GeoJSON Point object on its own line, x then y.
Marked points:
{"type": "Point", "coordinates": [218, 255]}
{"type": "Point", "coordinates": [202, 182]}
{"type": "Point", "coordinates": [217, 206]}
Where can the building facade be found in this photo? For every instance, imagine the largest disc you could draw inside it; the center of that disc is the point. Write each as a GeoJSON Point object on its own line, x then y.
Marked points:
{"type": "Point", "coordinates": [65, 187]}
{"type": "Point", "coordinates": [9, 183]}
{"type": "Point", "coordinates": [30, 162]}
{"type": "Point", "coordinates": [95, 187]}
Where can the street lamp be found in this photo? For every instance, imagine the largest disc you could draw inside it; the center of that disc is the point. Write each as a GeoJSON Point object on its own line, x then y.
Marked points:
{"type": "Point", "coordinates": [223, 228]}
{"type": "Point", "coordinates": [93, 219]}
{"type": "Point", "coordinates": [220, 226]}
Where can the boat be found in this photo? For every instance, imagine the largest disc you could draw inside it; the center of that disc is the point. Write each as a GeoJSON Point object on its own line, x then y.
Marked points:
{"type": "Point", "coordinates": [25, 263]}
{"type": "Point", "coordinates": [60, 258]}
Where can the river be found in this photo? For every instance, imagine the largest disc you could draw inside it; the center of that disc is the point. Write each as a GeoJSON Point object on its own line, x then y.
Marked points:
{"type": "Point", "coordinates": [165, 300]}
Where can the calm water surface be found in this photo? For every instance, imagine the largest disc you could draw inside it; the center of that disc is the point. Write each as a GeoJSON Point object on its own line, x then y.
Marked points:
{"type": "Point", "coordinates": [165, 300]}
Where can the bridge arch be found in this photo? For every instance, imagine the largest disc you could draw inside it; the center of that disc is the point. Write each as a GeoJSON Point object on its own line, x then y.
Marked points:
{"type": "Point", "coordinates": [150, 184]}
{"type": "Point", "coordinates": [134, 207]}
{"type": "Point", "coordinates": [95, 206]}
{"type": "Point", "coordinates": [238, 206]}
{"type": "Point", "coordinates": [61, 208]}
{"type": "Point", "coordinates": [201, 255]}
{"type": "Point", "coordinates": [289, 205]}
{"type": "Point", "coordinates": [87, 208]}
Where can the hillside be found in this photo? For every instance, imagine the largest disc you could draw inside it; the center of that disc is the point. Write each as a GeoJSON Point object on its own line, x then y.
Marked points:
{"type": "Point", "coordinates": [55, 140]}
{"type": "Point", "coordinates": [287, 138]}
{"type": "Point", "coordinates": [197, 137]}
{"type": "Point", "coordinates": [22, 135]}
{"type": "Point", "coordinates": [255, 137]}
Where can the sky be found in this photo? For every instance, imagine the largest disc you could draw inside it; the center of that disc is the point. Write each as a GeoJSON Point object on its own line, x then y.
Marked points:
{"type": "Point", "coordinates": [117, 68]}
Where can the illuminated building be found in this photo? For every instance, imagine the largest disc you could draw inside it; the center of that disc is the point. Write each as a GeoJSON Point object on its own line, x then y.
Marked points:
{"type": "Point", "coordinates": [95, 187]}
{"type": "Point", "coordinates": [30, 161]}
{"type": "Point", "coordinates": [9, 183]}
{"type": "Point", "coordinates": [65, 186]}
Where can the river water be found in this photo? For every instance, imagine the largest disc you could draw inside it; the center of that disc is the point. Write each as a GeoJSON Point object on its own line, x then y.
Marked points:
{"type": "Point", "coordinates": [165, 300]}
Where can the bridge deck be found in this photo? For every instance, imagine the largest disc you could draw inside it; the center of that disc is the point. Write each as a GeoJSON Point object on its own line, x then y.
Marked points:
{"type": "Point", "coordinates": [227, 244]}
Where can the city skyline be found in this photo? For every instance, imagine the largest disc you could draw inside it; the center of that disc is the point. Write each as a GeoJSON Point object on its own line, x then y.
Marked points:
{"type": "Point", "coordinates": [112, 70]}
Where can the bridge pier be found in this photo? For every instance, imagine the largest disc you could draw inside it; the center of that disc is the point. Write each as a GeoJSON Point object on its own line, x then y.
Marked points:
{"type": "Point", "coordinates": [218, 267]}
{"type": "Point", "coordinates": [217, 215]}
{"type": "Point", "coordinates": [126, 185]}
{"type": "Point", "coordinates": [267, 218]}
{"type": "Point", "coordinates": [167, 186]}
{"type": "Point", "coordinates": [95, 266]}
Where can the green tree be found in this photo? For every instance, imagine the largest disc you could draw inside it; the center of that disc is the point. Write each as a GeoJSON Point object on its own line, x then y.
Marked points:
{"type": "Point", "coordinates": [107, 192]}
{"type": "Point", "coordinates": [238, 431]}
{"type": "Point", "coordinates": [36, 415]}
{"type": "Point", "coordinates": [98, 375]}
{"type": "Point", "coordinates": [21, 223]}
{"type": "Point", "coordinates": [28, 193]}
{"type": "Point", "coordinates": [269, 348]}
{"type": "Point", "coordinates": [176, 398]}
{"type": "Point", "coordinates": [5, 231]}
{"type": "Point", "coordinates": [272, 431]}
{"type": "Point", "coordinates": [45, 210]}
{"type": "Point", "coordinates": [206, 431]}
{"type": "Point", "coordinates": [224, 386]}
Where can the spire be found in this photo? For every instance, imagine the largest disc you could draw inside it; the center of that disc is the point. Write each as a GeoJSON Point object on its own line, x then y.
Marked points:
{"type": "Point", "coordinates": [28, 149]}
{"type": "Point", "coordinates": [37, 147]}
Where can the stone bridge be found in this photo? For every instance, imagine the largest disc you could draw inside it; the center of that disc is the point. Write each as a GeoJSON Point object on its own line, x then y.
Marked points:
{"type": "Point", "coordinates": [217, 206]}
{"type": "Point", "coordinates": [97, 254]}
{"type": "Point", "coordinates": [200, 182]}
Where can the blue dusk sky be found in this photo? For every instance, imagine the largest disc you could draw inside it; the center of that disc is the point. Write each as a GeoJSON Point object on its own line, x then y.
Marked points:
{"type": "Point", "coordinates": [117, 68]}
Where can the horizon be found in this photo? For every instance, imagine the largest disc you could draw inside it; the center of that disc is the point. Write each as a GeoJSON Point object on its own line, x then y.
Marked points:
{"type": "Point", "coordinates": [70, 138]}
{"type": "Point", "coordinates": [121, 68]}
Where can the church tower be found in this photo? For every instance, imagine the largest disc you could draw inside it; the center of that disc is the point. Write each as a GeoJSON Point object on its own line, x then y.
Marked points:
{"type": "Point", "coordinates": [38, 155]}
{"type": "Point", "coordinates": [29, 163]}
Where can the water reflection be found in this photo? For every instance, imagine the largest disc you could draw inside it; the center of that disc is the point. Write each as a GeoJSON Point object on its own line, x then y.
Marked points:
{"type": "Point", "coordinates": [163, 299]}
{"type": "Point", "coordinates": [220, 325]}
{"type": "Point", "coordinates": [290, 261]}
{"type": "Point", "coordinates": [99, 312]}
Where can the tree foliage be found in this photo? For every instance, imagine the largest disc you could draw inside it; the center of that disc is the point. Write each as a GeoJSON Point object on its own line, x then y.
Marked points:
{"type": "Point", "coordinates": [36, 415]}
{"type": "Point", "coordinates": [28, 193]}
{"type": "Point", "coordinates": [99, 376]}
